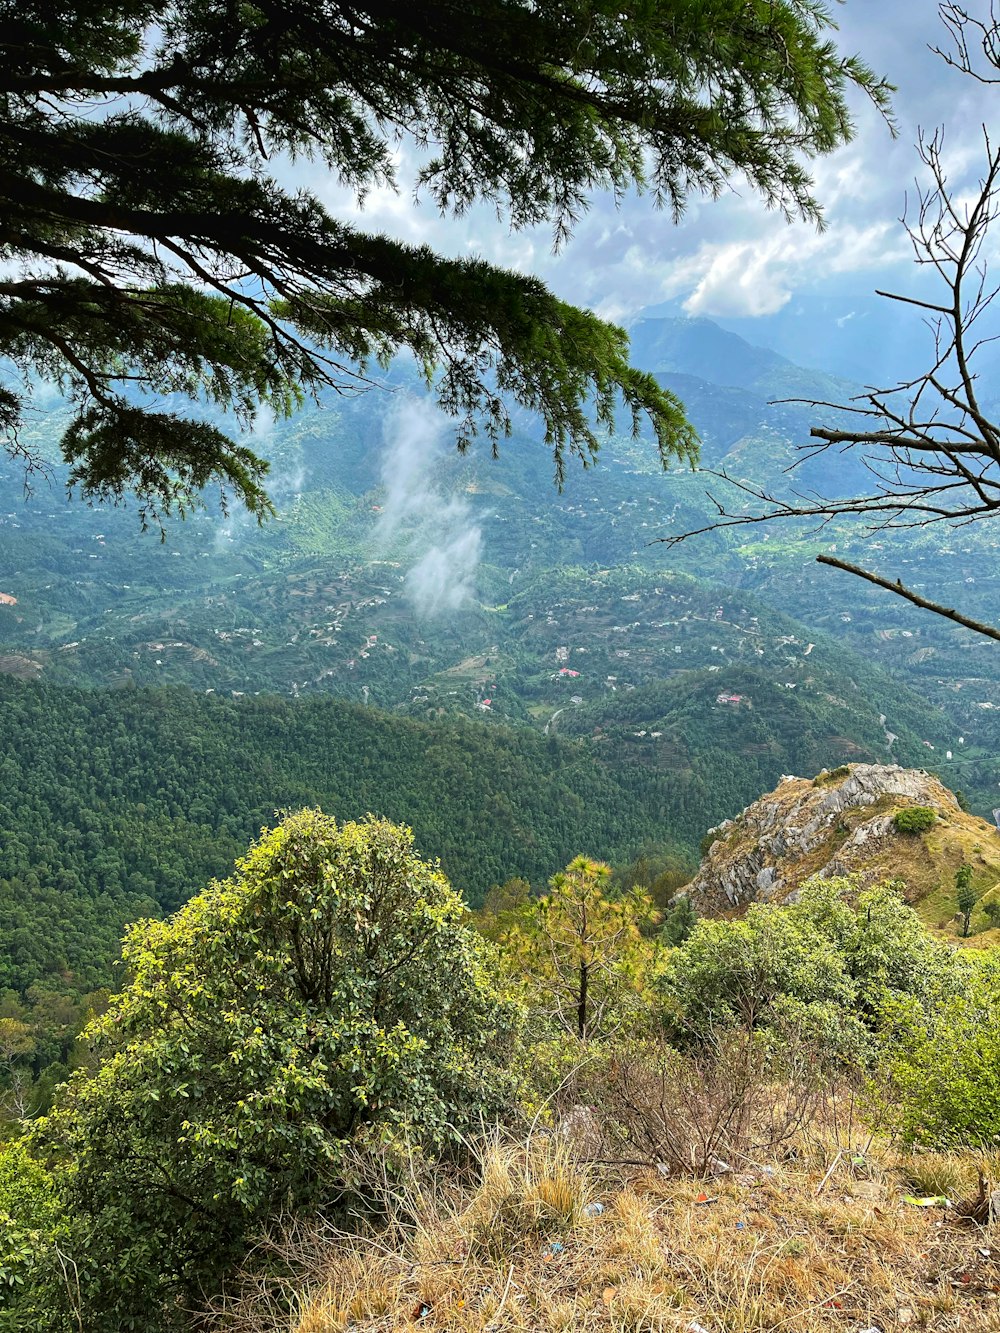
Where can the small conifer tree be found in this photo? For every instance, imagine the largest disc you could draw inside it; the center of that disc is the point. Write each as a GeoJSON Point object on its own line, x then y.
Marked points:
{"type": "Point", "coordinates": [965, 895]}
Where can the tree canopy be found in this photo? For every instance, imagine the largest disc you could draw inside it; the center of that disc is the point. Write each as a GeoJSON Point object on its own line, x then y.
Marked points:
{"type": "Point", "coordinates": [827, 966]}
{"type": "Point", "coordinates": [327, 996]}
{"type": "Point", "coordinates": [580, 951]}
{"type": "Point", "coordinates": [157, 268]}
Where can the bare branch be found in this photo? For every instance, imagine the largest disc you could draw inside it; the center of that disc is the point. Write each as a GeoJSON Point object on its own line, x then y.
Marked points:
{"type": "Point", "coordinates": [978, 626]}
{"type": "Point", "coordinates": [928, 442]}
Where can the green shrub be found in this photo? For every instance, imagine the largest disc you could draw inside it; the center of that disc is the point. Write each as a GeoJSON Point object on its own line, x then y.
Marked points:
{"type": "Point", "coordinates": [944, 1063]}
{"type": "Point", "coordinates": [328, 995]}
{"type": "Point", "coordinates": [865, 984]}
{"type": "Point", "coordinates": [822, 965]}
{"type": "Point", "coordinates": [914, 819]}
{"type": "Point", "coordinates": [32, 1295]}
{"type": "Point", "coordinates": [679, 921]}
{"type": "Point", "coordinates": [830, 775]}
{"type": "Point", "coordinates": [965, 895]}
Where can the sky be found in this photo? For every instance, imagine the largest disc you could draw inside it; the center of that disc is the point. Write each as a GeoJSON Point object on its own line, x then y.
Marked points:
{"type": "Point", "coordinates": [731, 258]}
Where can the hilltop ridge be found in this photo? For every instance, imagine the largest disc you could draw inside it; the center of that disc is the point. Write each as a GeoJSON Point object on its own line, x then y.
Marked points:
{"type": "Point", "coordinates": [844, 822]}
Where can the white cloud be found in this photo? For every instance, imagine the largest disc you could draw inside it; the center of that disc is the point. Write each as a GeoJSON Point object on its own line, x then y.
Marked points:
{"type": "Point", "coordinates": [439, 534]}
{"type": "Point", "coordinates": [758, 277]}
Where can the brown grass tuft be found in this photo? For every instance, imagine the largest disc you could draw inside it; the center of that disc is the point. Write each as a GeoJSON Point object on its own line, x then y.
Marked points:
{"type": "Point", "coordinates": [821, 1244]}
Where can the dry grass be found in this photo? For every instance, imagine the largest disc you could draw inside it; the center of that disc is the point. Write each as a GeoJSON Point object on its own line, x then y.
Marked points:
{"type": "Point", "coordinates": [822, 1244]}
{"type": "Point", "coordinates": [938, 1173]}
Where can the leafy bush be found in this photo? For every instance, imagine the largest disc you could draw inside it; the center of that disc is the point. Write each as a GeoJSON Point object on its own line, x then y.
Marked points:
{"type": "Point", "coordinates": [31, 1224]}
{"type": "Point", "coordinates": [753, 973]}
{"type": "Point", "coordinates": [821, 965]}
{"type": "Point", "coordinates": [914, 819]}
{"type": "Point", "coordinates": [868, 986]}
{"type": "Point", "coordinates": [328, 995]}
{"type": "Point", "coordinates": [679, 921]}
{"type": "Point", "coordinates": [831, 775]}
{"type": "Point", "coordinates": [944, 1062]}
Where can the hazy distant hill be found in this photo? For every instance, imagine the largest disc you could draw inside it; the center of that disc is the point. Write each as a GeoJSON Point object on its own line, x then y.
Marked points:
{"type": "Point", "coordinates": [842, 325]}
{"type": "Point", "coordinates": [400, 575]}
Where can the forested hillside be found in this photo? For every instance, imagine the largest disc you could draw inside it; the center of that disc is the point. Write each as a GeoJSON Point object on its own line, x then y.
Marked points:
{"type": "Point", "coordinates": [401, 575]}
{"type": "Point", "coordinates": [118, 804]}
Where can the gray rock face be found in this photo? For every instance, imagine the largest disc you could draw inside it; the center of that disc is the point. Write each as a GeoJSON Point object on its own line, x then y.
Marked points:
{"type": "Point", "coordinates": [798, 830]}
{"type": "Point", "coordinates": [868, 783]}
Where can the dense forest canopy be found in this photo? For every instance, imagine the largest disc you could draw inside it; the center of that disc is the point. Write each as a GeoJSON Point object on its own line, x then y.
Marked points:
{"type": "Point", "coordinates": [120, 804]}
{"type": "Point", "coordinates": [152, 249]}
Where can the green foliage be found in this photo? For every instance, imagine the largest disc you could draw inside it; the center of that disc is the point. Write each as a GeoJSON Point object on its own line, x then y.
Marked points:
{"type": "Point", "coordinates": [943, 1061]}
{"type": "Point", "coordinates": [756, 972]}
{"type": "Point", "coordinates": [824, 965]}
{"type": "Point", "coordinates": [502, 907]}
{"type": "Point", "coordinates": [965, 894]}
{"type": "Point", "coordinates": [31, 1226]}
{"type": "Point", "coordinates": [914, 819]}
{"type": "Point", "coordinates": [328, 995]}
{"type": "Point", "coordinates": [679, 922]}
{"type": "Point", "coordinates": [580, 953]}
{"type": "Point", "coordinates": [118, 805]}
{"type": "Point", "coordinates": [831, 775]}
{"type": "Point", "coordinates": [657, 871]}
{"type": "Point", "coordinates": [39, 1044]}
{"type": "Point", "coordinates": [143, 143]}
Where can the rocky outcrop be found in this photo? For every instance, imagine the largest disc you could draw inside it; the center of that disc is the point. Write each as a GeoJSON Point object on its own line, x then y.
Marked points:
{"type": "Point", "coordinates": [841, 822]}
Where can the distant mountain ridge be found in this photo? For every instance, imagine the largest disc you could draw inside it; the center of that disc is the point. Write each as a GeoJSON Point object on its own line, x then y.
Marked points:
{"type": "Point", "coordinates": [319, 600]}
{"type": "Point", "coordinates": [842, 325]}
{"type": "Point", "coordinates": [703, 348]}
